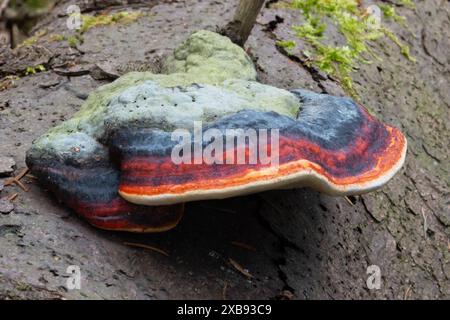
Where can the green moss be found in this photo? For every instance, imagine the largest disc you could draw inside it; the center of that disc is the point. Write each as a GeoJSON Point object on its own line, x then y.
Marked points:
{"type": "Point", "coordinates": [34, 69]}
{"type": "Point", "coordinates": [404, 49]}
{"type": "Point", "coordinates": [90, 21]}
{"type": "Point", "coordinates": [87, 22]}
{"type": "Point", "coordinates": [32, 40]}
{"type": "Point", "coordinates": [57, 37]}
{"type": "Point", "coordinates": [73, 41]}
{"type": "Point", "coordinates": [358, 28]}
{"type": "Point", "coordinates": [288, 45]}
{"type": "Point", "coordinates": [390, 13]}
{"type": "Point", "coordinates": [407, 3]}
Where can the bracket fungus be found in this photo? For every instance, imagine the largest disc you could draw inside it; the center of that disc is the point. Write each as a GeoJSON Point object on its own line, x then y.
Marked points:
{"type": "Point", "coordinates": [113, 161]}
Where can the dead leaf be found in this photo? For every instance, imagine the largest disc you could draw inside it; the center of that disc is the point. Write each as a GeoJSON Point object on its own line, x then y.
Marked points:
{"type": "Point", "coordinates": [239, 268]}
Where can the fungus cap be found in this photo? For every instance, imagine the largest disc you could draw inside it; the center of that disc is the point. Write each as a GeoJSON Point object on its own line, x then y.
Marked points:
{"type": "Point", "coordinates": [335, 146]}
{"type": "Point", "coordinates": [112, 162]}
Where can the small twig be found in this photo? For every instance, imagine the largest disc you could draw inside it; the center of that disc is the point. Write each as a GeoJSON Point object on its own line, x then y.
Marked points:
{"type": "Point", "coordinates": [243, 245]}
{"type": "Point", "coordinates": [407, 293]}
{"type": "Point", "coordinates": [349, 201]}
{"type": "Point", "coordinates": [22, 173]}
{"type": "Point", "coordinates": [15, 178]}
{"type": "Point", "coordinates": [238, 30]}
{"type": "Point", "coordinates": [224, 291]}
{"type": "Point", "coordinates": [13, 197]}
{"type": "Point", "coordinates": [425, 223]}
{"type": "Point", "coordinates": [29, 175]}
{"type": "Point", "coordinates": [21, 185]}
{"type": "Point", "coordinates": [144, 246]}
{"type": "Point", "coordinates": [239, 268]}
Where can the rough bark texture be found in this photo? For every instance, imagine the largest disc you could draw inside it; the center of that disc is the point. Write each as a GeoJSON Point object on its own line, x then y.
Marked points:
{"type": "Point", "coordinates": [310, 244]}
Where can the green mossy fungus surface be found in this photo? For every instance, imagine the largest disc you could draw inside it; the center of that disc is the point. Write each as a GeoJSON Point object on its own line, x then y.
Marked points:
{"type": "Point", "coordinates": [228, 84]}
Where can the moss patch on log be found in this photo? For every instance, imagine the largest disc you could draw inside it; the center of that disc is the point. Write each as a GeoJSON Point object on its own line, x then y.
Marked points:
{"type": "Point", "coordinates": [359, 27]}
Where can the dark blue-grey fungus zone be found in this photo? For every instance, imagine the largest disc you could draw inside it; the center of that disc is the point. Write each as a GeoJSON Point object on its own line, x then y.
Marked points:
{"type": "Point", "coordinates": [331, 122]}
{"type": "Point", "coordinates": [72, 183]}
{"type": "Point", "coordinates": [127, 143]}
{"type": "Point", "coordinates": [77, 172]}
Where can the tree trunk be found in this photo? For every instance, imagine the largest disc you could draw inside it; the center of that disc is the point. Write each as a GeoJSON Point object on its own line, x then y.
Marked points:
{"type": "Point", "coordinates": [244, 18]}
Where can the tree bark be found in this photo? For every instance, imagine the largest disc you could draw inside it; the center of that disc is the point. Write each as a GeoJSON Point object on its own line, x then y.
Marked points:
{"type": "Point", "coordinates": [238, 30]}
{"type": "Point", "coordinates": [309, 244]}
